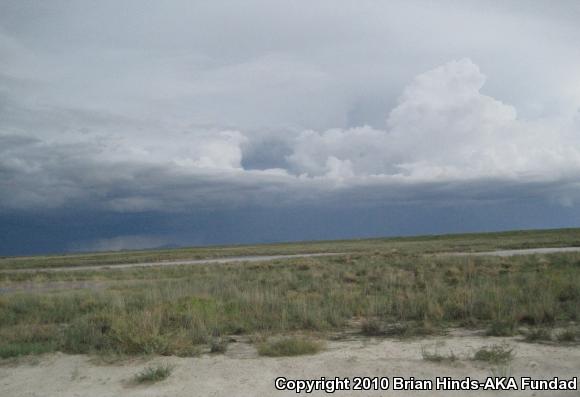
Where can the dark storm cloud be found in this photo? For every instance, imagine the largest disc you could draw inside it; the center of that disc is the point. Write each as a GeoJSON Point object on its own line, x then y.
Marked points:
{"type": "Point", "coordinates": [171, 108]}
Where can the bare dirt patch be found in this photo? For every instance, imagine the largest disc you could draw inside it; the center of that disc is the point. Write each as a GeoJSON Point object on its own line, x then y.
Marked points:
{"type": "Point", "coordinates": [240, 372]}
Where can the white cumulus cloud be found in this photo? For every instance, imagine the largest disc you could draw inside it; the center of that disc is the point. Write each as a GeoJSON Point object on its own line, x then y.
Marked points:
{"type": "Point", "coordinates": [445, 128]}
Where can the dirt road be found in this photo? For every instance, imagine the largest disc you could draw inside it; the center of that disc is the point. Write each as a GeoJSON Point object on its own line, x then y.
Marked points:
{"type": "Point", "coordinates": [260, 258]}
{"type": "Point", "coordinates": [526, 251]}
{"type": "Point", "coordinates": [263, 258]}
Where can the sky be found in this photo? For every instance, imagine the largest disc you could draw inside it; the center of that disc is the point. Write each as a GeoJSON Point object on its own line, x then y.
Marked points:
{"type": "Point", "coordinates": [138, 124]}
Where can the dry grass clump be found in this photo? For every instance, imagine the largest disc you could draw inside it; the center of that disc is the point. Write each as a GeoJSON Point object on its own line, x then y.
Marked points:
{"type": "Point", "coordinates": [435, 356]}
{"type": "Point", "coordinates": [495, 354]}
{"type": "Point", "coordinates": [539, 334]}
{"type": "Point", "coordinates": [568, 335]}
{"type": "Point", "coordinates": [374, 327]}
{"type": "Point", "coordinates": [503, 327]}
{"type": "Point", "coordinates": [218, 346]}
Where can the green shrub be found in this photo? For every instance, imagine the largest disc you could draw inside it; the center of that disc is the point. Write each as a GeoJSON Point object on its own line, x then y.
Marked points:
{"type": "Point", "coordinates": [494, 354]}
{"type": "Point", "coordinates": [154, 373]}
{"type": "Point", "coordinates": [87, 334]}
{"type": "Point", "coordinates": [25, 348]}
{"type": "Point", "coordinates": [501, 328]}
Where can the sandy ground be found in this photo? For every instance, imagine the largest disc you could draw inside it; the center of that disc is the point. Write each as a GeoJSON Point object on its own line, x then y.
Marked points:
{"type": "Point", "coordinates": [240, 372]}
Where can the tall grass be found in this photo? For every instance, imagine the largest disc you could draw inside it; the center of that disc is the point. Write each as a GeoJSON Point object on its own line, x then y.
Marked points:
{"type": "Point", "coordinates": [178, 310]}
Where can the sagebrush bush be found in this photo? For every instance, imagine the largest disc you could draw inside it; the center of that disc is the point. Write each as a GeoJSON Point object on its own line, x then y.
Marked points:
{"type": "Point", "coordinates": [495, 354]}
{"type": "Point", "coordinates": [154, 373]}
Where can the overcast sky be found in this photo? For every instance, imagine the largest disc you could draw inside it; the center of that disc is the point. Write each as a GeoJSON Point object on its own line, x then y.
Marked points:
{"type": "Point", "coordinates": [136, 124]}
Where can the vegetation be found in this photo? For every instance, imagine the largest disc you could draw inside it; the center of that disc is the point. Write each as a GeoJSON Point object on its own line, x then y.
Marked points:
{"type": "Point", "coordinates": [539, 334]}
{"type": "Point", "coordinates": [218, 346]}
{"type": "Point", "coordinates": [374, 327]}
{"type": "Point", "coordinates": [154, 373]}
{"type": "Point", "coordinates": [18, 349]}
{"type": "Point", "coordinates": [437, 357]}
{"type": "Point", "coordinates": [568, 335]}
{"type": "Point", "coordinates": [391, 290]}
{"type": "Point", "coordinates": [410, 245]}
{"type": "Point", "coordinates": [502, 327]}
{"type": "Point", "coordinates": [291, 346]}
{"type": "Point", "coordinates": [501, 370]}
{"type": "Point", "coordinates": [495, 354]}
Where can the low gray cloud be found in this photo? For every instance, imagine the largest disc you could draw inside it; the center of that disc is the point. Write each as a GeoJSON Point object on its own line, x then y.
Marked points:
{"type": "Point", "coordinates": [118, 243]}
{"type": "Point", "coordinates": [442, 132]}
{"type": "Point", "coordinates": [186, 106]}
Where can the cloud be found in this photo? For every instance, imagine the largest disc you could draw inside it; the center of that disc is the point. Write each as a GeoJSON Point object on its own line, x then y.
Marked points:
{"type": "Point", "coordinates": [361, 102]}
{"type": "Point", "coordinates": [444, 129]}
{"type": "Point", "coordinates": [442, 132]}
{"type": "Point", "coordinates": [362, 150]}
{"type": "Point", "coordinates": [119, 243]}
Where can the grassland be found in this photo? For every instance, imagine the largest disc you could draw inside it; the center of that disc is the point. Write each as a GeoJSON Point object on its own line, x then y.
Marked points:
{"type": "Point", "coordinates": [380, 287]}
{"type": "Point", "coordinates": [411, 245]}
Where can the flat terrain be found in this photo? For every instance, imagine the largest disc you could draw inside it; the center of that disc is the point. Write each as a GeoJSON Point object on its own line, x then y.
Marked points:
{"type": "Point", "coordinates": [419, 307]}
{"type": "Point", "coordinates": [265, 258]}
{"type": "Point", "coordinates": [230, 259]}
{"type": "Point", "coordinates": [522, 251]}
{"type": "Point", "coordinates": [241, 372]}
{"type": "Point", "coordinates": [475, 242]}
